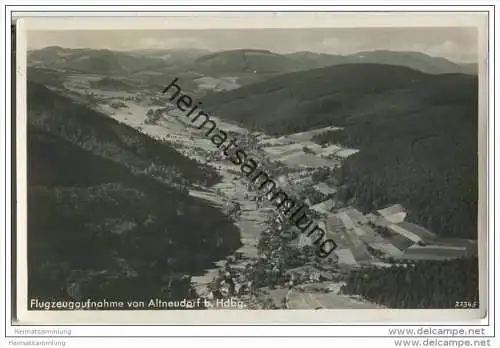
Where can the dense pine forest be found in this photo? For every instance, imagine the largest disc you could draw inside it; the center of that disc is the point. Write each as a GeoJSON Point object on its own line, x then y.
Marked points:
{"type": "Point", "coordinates": [109, 210]}
{"type": "Point", "coordinates": [100, 224]}
{"type": "Point", "coordinates": [425, 159]}
{"type": "Point", "coordinates": [110, 139]}
{"type": "Point", "coordinates": [417, 134]}
{"type": "Point", "coordinates": [425, 284]}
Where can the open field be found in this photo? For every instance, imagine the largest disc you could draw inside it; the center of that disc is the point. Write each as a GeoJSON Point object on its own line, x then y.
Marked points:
{"type": "Point", "coordinates": [308, 135]}
{"type": "Point", "coordinates": [348, 227]}
{"type": "Point", "coordinates": [217, 84]}
{"type": "Point", "coordinates": [177, 129]}
{"type": "Point", "coordinates": [308, 300]}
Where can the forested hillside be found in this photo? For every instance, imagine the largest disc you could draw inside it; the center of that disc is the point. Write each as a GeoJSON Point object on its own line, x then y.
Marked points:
{"type": "Point", "coordinates": [425, 159]}
{"type": "Point", "coordinates": [101, 227]}
{"type": "Point", "coordinates": [426, 285]}
{"type": "Point", "coordinates": [116, 141]}
{"type": "Point", "coordinates": [340, 94]}
{"type": "Point", "coordinates": [417, 134]}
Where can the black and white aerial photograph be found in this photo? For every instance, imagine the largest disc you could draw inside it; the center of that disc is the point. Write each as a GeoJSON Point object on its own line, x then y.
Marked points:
{"type": "Point", "coordinates": [260, 168]}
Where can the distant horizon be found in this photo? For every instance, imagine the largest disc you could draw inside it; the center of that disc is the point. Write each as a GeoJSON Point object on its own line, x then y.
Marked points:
{"type": "Point", "coordinates": [456, 44]}
{"type": "Point", "coordinates": [249, 49]}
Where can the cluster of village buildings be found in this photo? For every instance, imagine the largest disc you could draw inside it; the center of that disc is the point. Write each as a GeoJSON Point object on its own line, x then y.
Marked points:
{"type": "Point", "coordinates": [374, 238]}
{"type": "Point", "coordinates": [377, 238]}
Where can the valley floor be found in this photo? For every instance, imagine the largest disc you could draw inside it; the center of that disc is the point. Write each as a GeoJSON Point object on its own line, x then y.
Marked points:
{"type": "Point", "coordinates": [351, 230]}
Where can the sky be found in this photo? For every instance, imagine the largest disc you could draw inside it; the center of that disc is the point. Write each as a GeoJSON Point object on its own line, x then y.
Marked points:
{"type": "Point", "coordinates": [458, 44]}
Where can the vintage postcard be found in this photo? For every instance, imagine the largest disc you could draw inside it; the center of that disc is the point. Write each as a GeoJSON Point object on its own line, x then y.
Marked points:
{"type": "Point", "coordinates": [262, 168]}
